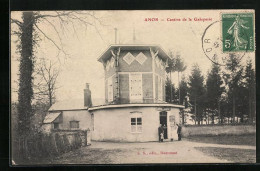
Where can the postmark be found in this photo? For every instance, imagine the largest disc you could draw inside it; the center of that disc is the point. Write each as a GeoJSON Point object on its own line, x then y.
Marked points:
{"type": "Point", "coordinates": [237, 32]}
{"type": "Point", "coordinates": [212, 44]}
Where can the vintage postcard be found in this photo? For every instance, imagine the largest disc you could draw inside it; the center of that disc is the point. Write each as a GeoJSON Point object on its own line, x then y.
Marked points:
{"type": "Point", "coordinates": [133, 86]}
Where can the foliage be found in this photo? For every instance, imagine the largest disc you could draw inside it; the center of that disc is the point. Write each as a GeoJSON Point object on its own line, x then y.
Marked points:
{"type": "Point", "coordinates": [250, 90]}
{"type": "Point", "coordinates": [46, 85]}
{"type": "Point", "coordinates": [183, 90]}
{"type": "Point", "coordinates": [233, 79]}
{"type": "Point", "coordinates": [170, 88]}
{"type": "Point", "coordinates": [197, 92]}
{"type": "Point", "coordinates": [25, 92]}
{"type": "Point", "coordinates": [28, 30]}
{"type": "Point", "coordinates": [179, 64]}
{"type": "Point", "coordinates": [215, 89]}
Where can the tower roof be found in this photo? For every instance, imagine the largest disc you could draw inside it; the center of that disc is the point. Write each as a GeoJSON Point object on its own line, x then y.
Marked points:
{"type": "Point", "coordinates": [107, 54]}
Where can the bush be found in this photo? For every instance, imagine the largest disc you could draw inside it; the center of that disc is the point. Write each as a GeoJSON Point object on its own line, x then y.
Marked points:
{"type": "Point", "coordinates": [26, 149]}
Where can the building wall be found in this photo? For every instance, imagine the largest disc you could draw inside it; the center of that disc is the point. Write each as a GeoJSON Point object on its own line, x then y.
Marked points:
{"type": "Point", "coordinates": [83, 116]}
{"type": "Point", "coordinates": [148, 87]}
{"type": "Point", "coordinates": [110, 70]}
{"type": "Point", "coordinates": [115, 124]}
{"type": "Point", "coordinates": [135, 66]}
{"type": "Point", "coordinates": [146, 69]}
{"type": "Point", "coordinates": [124, 88]}
{"type": "Point", "coordinates": [159, 67]}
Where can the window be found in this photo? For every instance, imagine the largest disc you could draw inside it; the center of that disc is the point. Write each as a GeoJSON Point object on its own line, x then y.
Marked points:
{"type": "Point", "coordinates": [110, 89]}
{"type": "Point", "coordinates": [74, 124]}
{"type": "Point", "coordinates": [136, 124]}
{"type": "Point", "coordinates": [136, 91]}
{"type": "Point", "coordinates": [56, 125]}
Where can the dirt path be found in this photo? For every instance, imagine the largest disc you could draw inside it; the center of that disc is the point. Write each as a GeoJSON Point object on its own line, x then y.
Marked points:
{"type": "Point", "coordinates": [151, 152]}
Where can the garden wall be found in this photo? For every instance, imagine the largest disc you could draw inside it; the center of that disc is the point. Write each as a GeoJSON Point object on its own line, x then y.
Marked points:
{"type": "Point", "coordinates": [211, 130]}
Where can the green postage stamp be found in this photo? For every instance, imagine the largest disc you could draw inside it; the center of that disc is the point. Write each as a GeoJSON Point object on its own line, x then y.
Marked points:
{"type": "Point", "coordinates": [238, 32]}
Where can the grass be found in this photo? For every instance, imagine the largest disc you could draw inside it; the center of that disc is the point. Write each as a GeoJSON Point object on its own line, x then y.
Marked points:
{"type": "Point", "coordinates": [230, 154]}
{"type": "Point", "coordinates": [226, 139]}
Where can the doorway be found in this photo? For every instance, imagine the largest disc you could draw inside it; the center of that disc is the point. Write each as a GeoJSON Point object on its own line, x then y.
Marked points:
{"type": "Point", "coordinates": [163, 122]}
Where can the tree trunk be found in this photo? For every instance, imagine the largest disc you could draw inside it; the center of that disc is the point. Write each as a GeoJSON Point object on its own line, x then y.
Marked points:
{"type": "Point", "coordinates": [182, 116]}
{"type": "Point", "coordinates": [250, 108]}
{"type": "Point", "coordinates": [234, 109]}
{"type": "Point", "coordinates": [195, 110]}
{"type": "Point", "coordinates": [50, 97]}
{"type": "Point", "coordinates": [179, 88]}
{"type": "Point", "coordinates": [212, 117]}
{"type": "Point", "coordinates": [208, 118]}
{"type": "Point", "coordinates": [219, 115]}
{"type": "Point", "coordinates": [171, 87]}
{"type": "Point", "coordinates": [25, 92]}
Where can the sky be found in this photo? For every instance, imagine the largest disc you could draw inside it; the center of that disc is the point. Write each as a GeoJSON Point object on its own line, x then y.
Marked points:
{"type": "Point", "coordinates": [85, 45]}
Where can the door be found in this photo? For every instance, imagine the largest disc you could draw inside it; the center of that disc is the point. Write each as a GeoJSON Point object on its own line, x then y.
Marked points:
{"type": "Point", "coordinates": [163, 122]}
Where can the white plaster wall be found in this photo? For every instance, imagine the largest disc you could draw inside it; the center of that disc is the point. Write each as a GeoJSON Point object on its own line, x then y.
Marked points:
{"type": "Point", "coordinates": [83, 116]}
{"type": "Point", "coordinates": [115, 124]}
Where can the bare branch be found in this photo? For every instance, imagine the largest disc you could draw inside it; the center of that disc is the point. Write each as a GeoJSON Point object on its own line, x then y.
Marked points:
{"type": "Point", "coordinates": [19, 23]}
{"type": "Point", "coordinates": [61, 49]}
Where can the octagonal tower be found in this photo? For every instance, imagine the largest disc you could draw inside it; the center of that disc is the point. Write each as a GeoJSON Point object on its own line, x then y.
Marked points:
{"type": "Point", "coordinates": [134, 74]}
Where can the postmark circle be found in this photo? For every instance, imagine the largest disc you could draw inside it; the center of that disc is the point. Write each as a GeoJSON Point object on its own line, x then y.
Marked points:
{"type": "Point", "coordinates": [212, 44]}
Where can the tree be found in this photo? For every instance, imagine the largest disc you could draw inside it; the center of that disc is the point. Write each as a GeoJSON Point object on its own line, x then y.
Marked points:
{"type": "Point", "coordinates": [183, 92]}
{"type": "Point", "coordinates": [250, 88]}
{"type": "Point", "coordinates": [183, 89]}
{"type": "Point", "coordinates": [215, 88]}
{"type": "Point", "coordinates": [169, 69]}
{"type": "Point", "coordinates": [46, 86]}
{"type": "Point", "coordinates": [233, 78]}
{"type": "Point", "coordinates": [179, 67]}
{"type": "Point", "coordinates": [197, 92]}
{"type": "Point", "coordinates": [170, 91]}
{"type": "Point", "coordinates": [27, 34]}
{"type": "Point", "coordinates": [25, 92]}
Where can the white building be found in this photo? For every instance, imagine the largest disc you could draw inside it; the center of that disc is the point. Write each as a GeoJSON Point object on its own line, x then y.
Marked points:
{"type": "Point", "coordinates": [134, 99]}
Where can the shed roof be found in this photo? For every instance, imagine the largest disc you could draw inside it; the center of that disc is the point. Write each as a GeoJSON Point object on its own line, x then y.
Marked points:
{"type": "Point", "coordinates": [50, 117]}
{"type": "Point", "coordinates": [107, 54]}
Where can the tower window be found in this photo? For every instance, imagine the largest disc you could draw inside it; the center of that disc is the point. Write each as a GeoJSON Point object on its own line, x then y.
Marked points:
{"type": "Point", "coordinates": [136, 91]}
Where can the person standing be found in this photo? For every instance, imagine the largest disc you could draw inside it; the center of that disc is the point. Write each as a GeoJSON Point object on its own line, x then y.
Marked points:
{"type": "Point", "coordinates": [160, 133]}
{"type": "Point", "coordinates": [179, 132]}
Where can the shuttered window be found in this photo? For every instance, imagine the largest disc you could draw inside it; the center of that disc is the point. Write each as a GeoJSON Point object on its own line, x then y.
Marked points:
{"type": "Point", "coordinates": [136, 95]}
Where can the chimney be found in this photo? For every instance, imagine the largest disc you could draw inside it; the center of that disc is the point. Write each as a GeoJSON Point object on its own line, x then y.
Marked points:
{"type": "Point", "coordinates": [87, 96]}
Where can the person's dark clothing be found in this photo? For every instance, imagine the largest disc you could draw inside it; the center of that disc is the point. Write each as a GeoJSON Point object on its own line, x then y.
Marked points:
{"type": "Point", "coordinates": [179, 132]}
{"type": "Point", "coordinates": [160, 131]}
